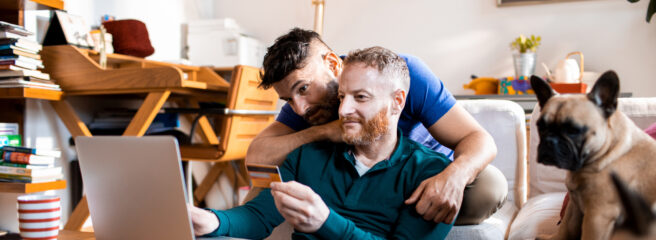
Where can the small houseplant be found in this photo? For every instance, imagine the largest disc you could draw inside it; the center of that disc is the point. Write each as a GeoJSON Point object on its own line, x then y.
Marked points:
{"type": "Point", "coordinates": [524, 58]}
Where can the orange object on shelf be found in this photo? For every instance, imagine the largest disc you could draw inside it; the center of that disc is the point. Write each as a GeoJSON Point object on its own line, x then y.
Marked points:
{"type": "Point", "coordinates": [483, 85]}
{"type": "Point", "coordinates": [569, 87]}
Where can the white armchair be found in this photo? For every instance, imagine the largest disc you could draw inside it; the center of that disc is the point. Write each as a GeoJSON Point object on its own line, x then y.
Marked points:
{"type": "Point", "coordinates": [506, 122]}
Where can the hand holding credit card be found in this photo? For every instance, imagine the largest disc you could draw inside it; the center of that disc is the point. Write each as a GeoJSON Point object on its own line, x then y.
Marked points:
{"type": "Point", "coordinates": [263, 175]}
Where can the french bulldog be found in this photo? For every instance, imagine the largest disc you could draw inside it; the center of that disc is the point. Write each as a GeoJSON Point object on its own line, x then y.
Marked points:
{"type": "Point", "coordinates": [586, 135]}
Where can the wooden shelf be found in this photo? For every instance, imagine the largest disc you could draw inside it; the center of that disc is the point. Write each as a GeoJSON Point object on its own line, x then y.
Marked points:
{"type": "Point", "coordinates": [33, 93]}
{"type": "Point", "coordinates": [12, 11]}
{"type": "Point", "coordinates": [54, 4]}
{"type": "Point", "coordinates": [16, 5]}
{"type": "Point", "coordinates": [9, 187]}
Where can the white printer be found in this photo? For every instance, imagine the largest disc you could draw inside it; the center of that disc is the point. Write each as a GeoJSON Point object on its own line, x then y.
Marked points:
{"type": "Point", "coordinates": [222, 43]}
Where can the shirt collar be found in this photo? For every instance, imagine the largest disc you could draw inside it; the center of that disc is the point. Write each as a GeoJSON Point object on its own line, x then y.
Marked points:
{"type": "Point", "coordinates": [396, 157]}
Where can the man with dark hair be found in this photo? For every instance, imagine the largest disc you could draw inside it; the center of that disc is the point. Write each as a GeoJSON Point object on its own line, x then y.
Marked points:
{"type": "Point", "coordinates": [303, 69]}
{"type": "Point", "coordinates": [353, 189]}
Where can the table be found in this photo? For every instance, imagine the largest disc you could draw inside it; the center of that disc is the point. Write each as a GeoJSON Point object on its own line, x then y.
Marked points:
{"type": "Point", "coordinates": [78, 73]}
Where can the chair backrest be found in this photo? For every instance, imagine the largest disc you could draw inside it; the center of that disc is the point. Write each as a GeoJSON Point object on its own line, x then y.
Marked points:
{"type": "Point", "coordinates": [239, 130]}
{"type": "Point", "coordinates": [506, 122]}
{"type": "Point", "coordinates": [546, 179]}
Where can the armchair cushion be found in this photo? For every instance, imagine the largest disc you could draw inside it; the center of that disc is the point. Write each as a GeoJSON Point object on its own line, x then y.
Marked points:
{"type": "Point", "coordinates": [539, 215]}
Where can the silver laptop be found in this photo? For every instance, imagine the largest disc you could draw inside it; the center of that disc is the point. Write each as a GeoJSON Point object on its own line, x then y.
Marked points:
{"type": "Point", "coordinates": [134, 187]}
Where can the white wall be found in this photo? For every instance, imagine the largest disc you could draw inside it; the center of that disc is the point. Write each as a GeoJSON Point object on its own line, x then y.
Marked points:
{"type": "Point", "coordinates": [460, 38]}
{"type": "Point", "coordinates": [162, 18]}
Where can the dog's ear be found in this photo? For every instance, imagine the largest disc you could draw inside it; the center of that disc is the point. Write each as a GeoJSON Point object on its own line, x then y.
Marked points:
{"type": "Point", "coordinates": [605, 92]}
{"type": "Point", "coordinates": [638, 213]}
{"type": "Point", "coordinates": [542, 90]}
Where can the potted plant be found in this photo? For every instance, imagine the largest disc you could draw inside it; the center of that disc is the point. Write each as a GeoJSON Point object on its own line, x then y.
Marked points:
{"type": "Point", "coordinates": [524, 58]}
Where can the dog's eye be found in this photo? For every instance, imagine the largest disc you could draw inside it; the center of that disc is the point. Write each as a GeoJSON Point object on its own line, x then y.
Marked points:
{"type": "Point", "coordinates": [571, 130]}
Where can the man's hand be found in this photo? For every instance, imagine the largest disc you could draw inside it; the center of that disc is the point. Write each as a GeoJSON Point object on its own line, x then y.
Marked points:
{"type": "Point", "coordinates": [439, 197]}
{"type": "Point", "coordinates": [332, 131]}
{"type": "Point", "coordinates": [203, 221]}
{"type": "Point", "coordinates": [299, 205]}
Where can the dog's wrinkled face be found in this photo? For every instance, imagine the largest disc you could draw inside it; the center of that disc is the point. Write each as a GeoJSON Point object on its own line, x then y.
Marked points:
{"type": "Point", "coordinates": [561, 141]}
{"type": "Point", "coordinates": [571, 127]}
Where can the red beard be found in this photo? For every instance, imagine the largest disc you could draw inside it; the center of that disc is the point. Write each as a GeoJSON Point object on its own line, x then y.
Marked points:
{"type": "Point", "coordinates": [371, 130]}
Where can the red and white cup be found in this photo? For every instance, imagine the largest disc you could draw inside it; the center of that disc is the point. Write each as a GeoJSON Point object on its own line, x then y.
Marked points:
{"type": "Point", "coordinates": [39, 217]}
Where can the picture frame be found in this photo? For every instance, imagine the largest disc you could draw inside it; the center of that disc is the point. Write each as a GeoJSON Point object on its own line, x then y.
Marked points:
{"type": "Point", "coordinates": [507, 3]}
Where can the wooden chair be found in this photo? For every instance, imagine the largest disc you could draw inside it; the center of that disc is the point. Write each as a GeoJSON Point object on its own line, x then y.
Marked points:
{"type": "Point", "coordinates": [248, 111]}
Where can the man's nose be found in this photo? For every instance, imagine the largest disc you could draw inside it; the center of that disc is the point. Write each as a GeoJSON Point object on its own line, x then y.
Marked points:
{"type": "Point", "coordinates": [346, 106]}
{"type": "Point", "coordinates": [300, 105]}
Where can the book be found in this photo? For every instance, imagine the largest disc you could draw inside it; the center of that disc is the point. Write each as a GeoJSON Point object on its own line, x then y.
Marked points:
{"type": "Point", "coordinates": [27, 179]}
{"type": "Point", "coordinates": [21, 72]}
{"type": "Point", "coordinates": [30, 79]}
{"type": "Point", "coordinates": [12, 46]}
{"type": "Point", "coordinates": [22, 58]}
{"type": "Point", "coordinates": [30, 86]}
{"type": "Point", "coordinates": [19, 83]}
{"type": "Point", "coordinates": [8, 128]}
{"type": "Point", "coordinates": [36, 151]}
{"type": "Point", "coordinates": [6, 65]}
{"type": "Point", "coordinates": [22, 42]}
{"type": "Point", "coordinates": [10, 35]}
{"type": "Point", "coordinates": [30, 172]}
{"type": "Point", "coordinates": [18, 165]}
{"type": "Point", "coordinates": [13, 28]}
{"type": "Point", "coordinates": [10, 140]}
{"type": "Point", "coordinates": [18, 52]}
{"type": "Point", "coordinates": [26, 158]}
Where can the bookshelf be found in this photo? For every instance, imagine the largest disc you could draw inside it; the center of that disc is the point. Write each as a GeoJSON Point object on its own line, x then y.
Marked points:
{"type": "Point", "coordinates": [30, 93]}
{"type": "Point", "coordinates": [20, 94]}
{"type": "Point", "coordinates": [12, 10]}
{"type": "Point", "coordinates": [11, 187]}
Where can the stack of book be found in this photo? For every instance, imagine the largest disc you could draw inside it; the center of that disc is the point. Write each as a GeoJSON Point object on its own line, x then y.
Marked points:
{"type": "Point", "coordinates": [29, 165]}
{"type": "Point", "coordinates": [20, 60]}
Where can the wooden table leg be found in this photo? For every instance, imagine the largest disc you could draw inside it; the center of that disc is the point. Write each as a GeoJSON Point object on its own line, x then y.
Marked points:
{"type": "Point", "coordinates": [79, 216]}
{"type": "Point", "coordinates": [204, 127]}
{"type": "Point", "coordinates": [208, 181]}
{"type": "Point", "coordinates": [146, 113]}
{"type": "Point", "coordinates": [77, 128]}
{"type": "Point", "coordinates": [72, 122]}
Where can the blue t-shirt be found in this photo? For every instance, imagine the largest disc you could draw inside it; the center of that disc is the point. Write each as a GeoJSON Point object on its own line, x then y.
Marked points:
{"type": "Point", "coordinates": [428, 100]}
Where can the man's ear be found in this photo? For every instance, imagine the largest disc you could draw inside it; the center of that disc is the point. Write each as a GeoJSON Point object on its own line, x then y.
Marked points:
{"type": "Point", "coordinates": [542, 90]}
{"type": "Point", "coordinates": [334, 63]}
{"type": "Point", "coordinates": [605, 92]}
{"type": "Point", "coordinates": [398, 101]}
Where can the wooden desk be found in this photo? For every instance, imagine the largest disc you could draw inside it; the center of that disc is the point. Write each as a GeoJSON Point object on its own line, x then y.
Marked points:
{"type": "Point", "coordinates": [78, 73]}
{"type": "Point", "coordinates": [75, 235]}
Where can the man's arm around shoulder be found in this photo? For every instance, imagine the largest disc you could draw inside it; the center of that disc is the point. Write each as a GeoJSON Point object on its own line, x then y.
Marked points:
{"type": "Point", "coordinates": [440, 197]}
{"type": "Point", "coordinates": [272, 145]}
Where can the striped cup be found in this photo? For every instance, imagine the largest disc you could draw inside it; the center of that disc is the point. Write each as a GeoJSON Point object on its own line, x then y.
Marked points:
{"type": "Point", "coordinates": [38, 216]}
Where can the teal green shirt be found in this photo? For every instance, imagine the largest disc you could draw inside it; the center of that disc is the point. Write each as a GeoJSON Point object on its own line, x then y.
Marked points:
{"type": "Point", "coordinates": [361, 207]}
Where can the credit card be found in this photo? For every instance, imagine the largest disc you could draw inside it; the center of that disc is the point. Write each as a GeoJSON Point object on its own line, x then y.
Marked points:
{"type": "Point", "coordinates": [263, 175]}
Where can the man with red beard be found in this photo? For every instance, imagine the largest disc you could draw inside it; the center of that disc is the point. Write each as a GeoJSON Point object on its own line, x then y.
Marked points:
{"type": "Point", "coordinates": [353, 189]}
{"type": "Point", "coordinates": [303, 71]}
